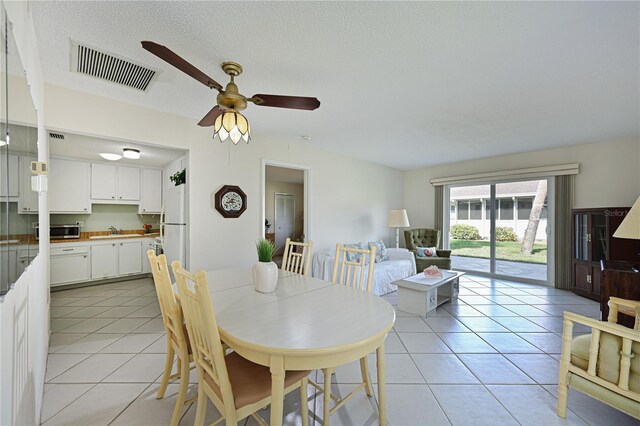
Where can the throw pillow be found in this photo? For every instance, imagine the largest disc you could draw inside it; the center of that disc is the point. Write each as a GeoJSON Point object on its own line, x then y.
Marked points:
{"type": "Point", "coordinates": [426, 252]}
{"type": "Point", "coordinates": [353, 257]}
{"type": "Point", "coordinates": [381, 250]}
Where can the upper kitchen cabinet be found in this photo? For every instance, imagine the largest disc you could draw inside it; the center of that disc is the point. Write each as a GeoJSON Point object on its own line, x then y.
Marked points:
{"type": "Point", "coordinates": [9, 182]}
{"type": "Point", "coordinates": [69, 190]}
{"type": "Point", "coordinates": [114, 184]}
{"type": "Point", "coordinates": [28, 200]}
{"type": "Point", "coordinates": [150, 191]}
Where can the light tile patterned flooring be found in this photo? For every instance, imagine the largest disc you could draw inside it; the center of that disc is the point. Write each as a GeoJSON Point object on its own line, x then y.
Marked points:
{"type": "Point", "coordinates": [491, 358]}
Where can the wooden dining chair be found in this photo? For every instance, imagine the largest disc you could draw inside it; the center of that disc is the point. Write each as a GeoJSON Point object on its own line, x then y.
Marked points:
{"type": "Point", "coordinates": [349, 269]}
{"type": "Point", "coordinates": [297, 257]}
{"type": "Point", "coordinates": [177, 339]}
{"type": "Point", "coordinates": [236, 386]}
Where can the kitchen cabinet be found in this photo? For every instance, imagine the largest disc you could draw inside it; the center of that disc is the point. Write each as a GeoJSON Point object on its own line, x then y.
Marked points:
{"type": "Point", "coordinates": [130, 257]}
{"type": "Point", "coordinates": [104, 260]}
{"type": "Point", "coordinates": [114, 183]}
{"type": "Point", "coordinates": [8, 264]}
{"type": "Point", "coordinates": [28, 200]}
{"type": "Point", "coordinates": [69, 190]}
{"type": "Point", "coordinates": [116, 258]}
{"type": "Point", "coordinates": [69, 264]}
{"type": "Point", "coordinates": [10, 185]}
{"type": "Point", "coordinates": [150, 191]}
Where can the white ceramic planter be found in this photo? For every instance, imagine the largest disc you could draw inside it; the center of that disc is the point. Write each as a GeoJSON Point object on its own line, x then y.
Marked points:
{"type": "Point", "coordinates": [265, 276]}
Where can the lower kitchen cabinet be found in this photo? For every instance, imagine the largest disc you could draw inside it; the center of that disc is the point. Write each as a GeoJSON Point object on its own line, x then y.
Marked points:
{"type": "Point", "coordinates": [104, 260]}
{"type": "Point", "coordinates": [115, 259]}
{"type": "Point", "coordinates": [70, 265]}
{"type": "Point", "coordinates": [130, 257]}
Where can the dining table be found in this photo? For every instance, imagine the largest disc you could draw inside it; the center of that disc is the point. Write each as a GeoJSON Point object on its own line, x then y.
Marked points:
{"type": "Point", "coordinates": [305, 324]}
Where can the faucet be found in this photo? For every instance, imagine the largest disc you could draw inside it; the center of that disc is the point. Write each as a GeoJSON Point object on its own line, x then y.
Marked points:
{"type": "Point", "coordinates": [113, 230]}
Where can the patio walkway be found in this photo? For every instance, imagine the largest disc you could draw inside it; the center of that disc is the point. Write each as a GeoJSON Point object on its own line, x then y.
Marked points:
{"type": "Point", "coordinates": [533, 271]}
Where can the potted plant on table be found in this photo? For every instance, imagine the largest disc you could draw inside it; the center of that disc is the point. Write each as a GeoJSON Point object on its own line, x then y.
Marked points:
{"type": "Point", "coordinates": [265, 271]}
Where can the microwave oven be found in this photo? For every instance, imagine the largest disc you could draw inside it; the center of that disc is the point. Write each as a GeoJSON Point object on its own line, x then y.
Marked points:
{"type": "Point", "coordinates": [60, 232]}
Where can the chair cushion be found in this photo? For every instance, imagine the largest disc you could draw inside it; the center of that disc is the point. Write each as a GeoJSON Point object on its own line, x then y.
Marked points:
{"type": "Point", "coordinates": [250, 382]}
{"type": "Point", "coordinates": [608, 366]}
{"type": "Point", "coordinates": [186, 337]}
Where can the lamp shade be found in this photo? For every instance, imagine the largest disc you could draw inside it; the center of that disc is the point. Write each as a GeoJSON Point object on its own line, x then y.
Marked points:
{"type": "Point", "coordinates": [398, 219]}
{"type": "Point", "coordinates": [630, 226]}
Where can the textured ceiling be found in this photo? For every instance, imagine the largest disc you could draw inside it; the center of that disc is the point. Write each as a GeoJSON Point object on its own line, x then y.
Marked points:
{"type": "Point", "coordinates": [401, 84]}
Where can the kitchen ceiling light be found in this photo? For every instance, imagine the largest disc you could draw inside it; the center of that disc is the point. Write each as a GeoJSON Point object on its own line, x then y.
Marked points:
{"type": "Point", "coordinates": [131, 153]}
{"type": "Point", "coordinates": [110, 157]}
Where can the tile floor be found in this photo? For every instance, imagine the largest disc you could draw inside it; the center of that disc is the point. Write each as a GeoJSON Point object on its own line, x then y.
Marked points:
{"type": "Point", "coordinates": [491, 358]}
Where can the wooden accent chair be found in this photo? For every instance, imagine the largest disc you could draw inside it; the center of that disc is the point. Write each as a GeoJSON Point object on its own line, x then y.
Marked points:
{"type": "Point", "coordinates": [294, 261]}
{"type": "Point", "coordinates": [349, 269]}
{"type": "Point", "coordinates": [604, 364]}
{"type": "Point", "coordinates": [177, 340]}
{"type": "Point", "coordinates": [236, 386]}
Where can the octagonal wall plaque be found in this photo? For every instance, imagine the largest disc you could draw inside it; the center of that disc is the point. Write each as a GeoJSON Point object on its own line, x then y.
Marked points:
{"type": "Point", "coordinates": [230, 201]}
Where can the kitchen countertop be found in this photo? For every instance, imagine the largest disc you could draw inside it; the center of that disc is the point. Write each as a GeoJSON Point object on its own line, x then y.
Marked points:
{"type": "Point", "coordinates": [106, 236]}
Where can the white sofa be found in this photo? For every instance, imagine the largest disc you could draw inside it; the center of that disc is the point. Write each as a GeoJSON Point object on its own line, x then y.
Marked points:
{"type": "Point", "coordinates": [401, 264]}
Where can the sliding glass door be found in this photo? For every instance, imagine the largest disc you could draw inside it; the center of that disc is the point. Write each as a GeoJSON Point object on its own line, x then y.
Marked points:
{"type": "Point", "coordinates": [500, 229]}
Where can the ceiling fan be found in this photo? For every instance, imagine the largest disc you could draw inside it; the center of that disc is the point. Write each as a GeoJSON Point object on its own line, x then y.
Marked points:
{"type": "Point", "coordinates": [225, 116]}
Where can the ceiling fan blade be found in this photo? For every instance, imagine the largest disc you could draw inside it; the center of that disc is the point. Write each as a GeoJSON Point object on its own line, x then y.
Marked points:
{"type": "Point", "coordinates": [278, 101]}
{"type": "Point", "coordinates": [210, 118]}
{"type": "Point", "coordinates": [171, 57]}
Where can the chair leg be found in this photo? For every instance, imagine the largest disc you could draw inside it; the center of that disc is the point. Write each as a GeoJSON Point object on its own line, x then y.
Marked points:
{"type": "Point", "coordinates": [366, 378]}
{"type": "Point", "coordinates": [168, 364]}
{"type": "Point", "coordinates": [326, 412]}
{"type": "Point", "coordinates": [182, 391]}
{"type": "Point", "coordinates": [201, 404]}
{"type": "Point", "coordinates": [304, 403]}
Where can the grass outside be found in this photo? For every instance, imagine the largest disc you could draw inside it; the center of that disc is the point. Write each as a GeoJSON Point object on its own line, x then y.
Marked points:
{"type": "Point", "coordinates": [505, 250]}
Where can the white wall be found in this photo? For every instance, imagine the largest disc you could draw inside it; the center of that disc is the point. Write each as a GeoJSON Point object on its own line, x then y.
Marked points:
{"type": "Point", "coordinates": [609, 175]}
{"type": "Point", "coordinates": [24, 312]}
{"type": "Point", "coordinates": [103, 216]}
{"type": "Point", "coordinates": [350, 199]}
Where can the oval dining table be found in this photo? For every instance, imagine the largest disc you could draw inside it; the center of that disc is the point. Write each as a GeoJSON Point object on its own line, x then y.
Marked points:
{"type": "Point", "coordinates": [305, 324]}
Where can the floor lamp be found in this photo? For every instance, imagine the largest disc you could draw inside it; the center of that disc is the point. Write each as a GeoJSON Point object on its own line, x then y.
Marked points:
{"type": "Point", "coordinates": [398, 219]}
{"type": "Point", "coordinates": [630, 227]}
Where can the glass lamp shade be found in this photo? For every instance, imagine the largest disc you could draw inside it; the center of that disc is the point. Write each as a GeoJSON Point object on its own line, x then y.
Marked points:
{"type": "Point", "coordinates": [630, 226]}
{"type": "Point", "coordinates": [232, 125]}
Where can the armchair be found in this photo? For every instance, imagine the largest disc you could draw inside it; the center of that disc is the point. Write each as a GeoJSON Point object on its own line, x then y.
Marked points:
{"type": "Point", "coordinates": [604, 364]}
{"type": "Point", "coordinates": [425, 237]}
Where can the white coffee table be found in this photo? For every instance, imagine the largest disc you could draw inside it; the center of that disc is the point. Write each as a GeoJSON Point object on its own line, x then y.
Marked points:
{"type": "Point", "coordinates": [420, 295]}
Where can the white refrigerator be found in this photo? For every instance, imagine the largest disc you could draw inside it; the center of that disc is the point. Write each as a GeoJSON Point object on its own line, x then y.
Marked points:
{"type": "Point", "coordinates": [173, 226]}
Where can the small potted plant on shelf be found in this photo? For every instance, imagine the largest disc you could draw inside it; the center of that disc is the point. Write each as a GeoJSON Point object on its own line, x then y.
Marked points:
{"type": "Point", "coordinates": [147, 228]}
{"type": "Point", "coordinates": [265, 271]}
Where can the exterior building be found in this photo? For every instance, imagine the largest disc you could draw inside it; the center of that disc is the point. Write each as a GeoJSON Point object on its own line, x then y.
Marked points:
{"type": "Point", "coordinates": [470, 205]}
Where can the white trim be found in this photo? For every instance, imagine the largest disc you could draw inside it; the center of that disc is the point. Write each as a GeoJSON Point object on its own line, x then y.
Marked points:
{"type": "Point", "coordinates": [306, 229]}
{"type": "Point", "coordinates": [544, 171]}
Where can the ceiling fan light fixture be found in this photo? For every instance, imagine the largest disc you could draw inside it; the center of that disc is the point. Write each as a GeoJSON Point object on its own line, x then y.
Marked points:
{"type": "Point", "coordinates": [132, 154]}
{"type": "Point", "coordinates": [231, 125]}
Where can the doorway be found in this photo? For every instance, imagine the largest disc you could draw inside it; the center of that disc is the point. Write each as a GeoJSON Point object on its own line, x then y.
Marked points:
{"type": "Point", "coordinates": [500, 229]}
{"type": "Point", "coordinates": [285, 203]}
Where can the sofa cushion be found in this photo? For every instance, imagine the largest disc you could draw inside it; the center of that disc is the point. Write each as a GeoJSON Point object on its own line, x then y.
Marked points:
{"type": "Point", "coordinates": [381, 250]}
{"type": "Point", "coordinates": [608, 366]}
{"type": "Point", "coordinates": [355, 257]}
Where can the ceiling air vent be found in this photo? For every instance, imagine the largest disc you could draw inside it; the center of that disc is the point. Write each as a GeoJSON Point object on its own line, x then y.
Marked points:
{"type": "Point", "coordinates": [53, 135]}
{"type": "Point", "coordinates": [107, 66]}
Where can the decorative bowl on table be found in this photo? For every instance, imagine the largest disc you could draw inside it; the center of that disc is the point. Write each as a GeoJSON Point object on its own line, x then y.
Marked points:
{"type": "Point", "coordinates": [432, 272]}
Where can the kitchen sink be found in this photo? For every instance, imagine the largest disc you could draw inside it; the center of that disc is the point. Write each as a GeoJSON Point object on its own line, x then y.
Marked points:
{"type": "Point", "coordinates": [114, 236]}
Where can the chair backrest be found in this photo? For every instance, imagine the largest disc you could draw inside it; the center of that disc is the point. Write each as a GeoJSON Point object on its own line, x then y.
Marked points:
{"type": "Point", "coordinates": [169, 306]}
{"type": "Point", "coordinates": [350, 265]}
{"type": "Point", "coordinates": [204, 338]}
{"type": "Point", "coordinates": [297, 261]}
{"type": "Point", "coordinates": [421, 237]}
